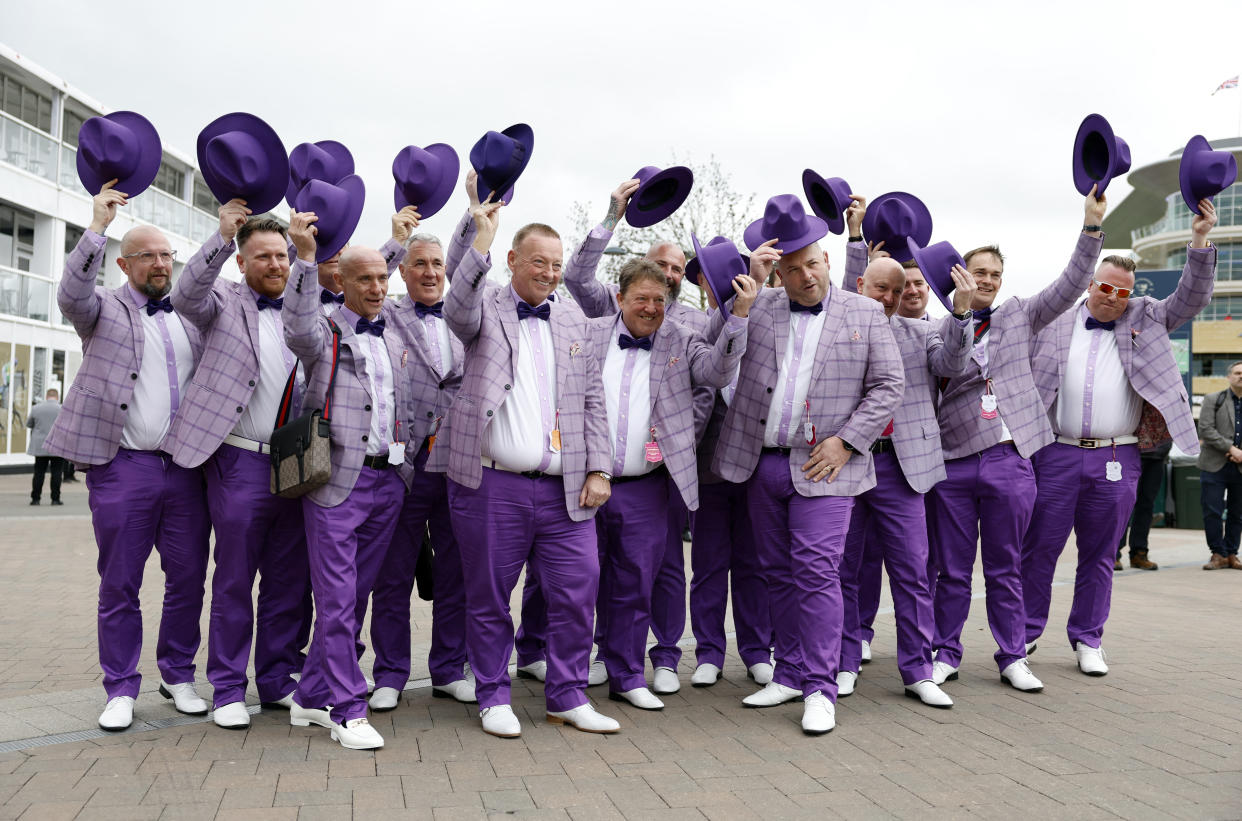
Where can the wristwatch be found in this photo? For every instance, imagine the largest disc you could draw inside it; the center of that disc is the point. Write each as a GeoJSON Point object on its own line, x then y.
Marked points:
{"type": "Point", "coordinates": [964, 315]}
{"type": "Point", "coordinates": [849, 447]}
{"type": "Point", "coordinates": [603, 474]}
{"type": "Point", "coordinates": [1090, 228]}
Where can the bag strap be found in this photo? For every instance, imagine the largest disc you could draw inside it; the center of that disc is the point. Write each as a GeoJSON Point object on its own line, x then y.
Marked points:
{"type": "Point", "coordinates": [336, 355]}
{"type": "Point", "coordinates": [286, 398]}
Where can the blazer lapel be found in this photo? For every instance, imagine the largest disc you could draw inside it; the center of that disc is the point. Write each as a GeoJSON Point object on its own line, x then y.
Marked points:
{"type": "Point", "coordinates": [834, 326]}
{"type": "Point", "coordinates": [1126, 339]}
{"type": "Point", "coordinates": [250, 312]}
{"type": "Point", "coordinates": [135, 319]}
{"type": "Point", "coordinates": [351, 342]}
{"type": "Point", "coordinates": [422, 347]}
{"type": "Point", "coordinates": [509, 323]}
{"type": "Point", "coordinates": [780, 328]}
{"type": "Point", "coordinates": [561, 342]}
{"type": "Point", "coordinates": [661, 354]}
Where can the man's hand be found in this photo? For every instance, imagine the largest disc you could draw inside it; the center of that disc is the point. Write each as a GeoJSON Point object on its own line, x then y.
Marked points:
{"type": "Point", "coordinates": [472, 188]}
{"type": "Point", "coordinates": [875, 250]}
{"type": "Point", "coordinates": [827, 459]}
{"type": "Point", "coordinates": [104, 205]}
{"type": "Point", "coordinates": [486, 220]}
{"type": "Point", "coordinates": [617, 202]}
{"type": "Point", "coordinates": [1093, 211]}
{"type": "Point", "coordinates": [1203, 223]}
{"type": "Point", "coordinates": [854, 214]}
{"type": "Point", "coordinates": [964, 287]}
{"type": "Point", "coordinates": [1234, 454]}
{"type": "Point", "coordinates": [403, 223]}
{"type": "Point", "coordinates": [746, 289]}
{"type": "Point", "coordinates": [595, 491]}
{"type": "Point", "coordinates": [762, 259]}
{"type": "Point", "coordinates": [232, 217]}
{"type": "Point", "coordinates": [302, 233]}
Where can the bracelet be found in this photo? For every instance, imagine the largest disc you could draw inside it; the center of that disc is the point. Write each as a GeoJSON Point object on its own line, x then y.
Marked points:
{"type": "Point", "coordinates": [607, 477]}
{"type": "Point", "coordinates": [1089, 228]}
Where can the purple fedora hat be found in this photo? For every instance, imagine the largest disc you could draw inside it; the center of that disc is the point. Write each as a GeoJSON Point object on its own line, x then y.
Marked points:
{"type": "Point", "coordinates": [896, 218]}
{"type": "Point", "coordinates": [936, 261]}
{"type": "Point", "coordinates": [425, 177]}
{"type": "Point", "coordinates": [338, 206]}
{"type": "Point", "coordinates": [325, 160]}
{"type": "Point", "coordinates": [242, 157]}
{"type": "Point", "coordinates": [500, 157]}
{"type": "Point", "coordinates": [123, 146]}
{"type": "Point", "coordinates": [659, 194]}
{"type": "Point", "coordinates": [785, 220]}
{"type": "Point", "coordinates": [717, 263]}
{"type": "Point", "coordinates": [828, 198]}
{"type": "Point", "coordinates": [1203, 172]}
{"type": "Point", "coordinates": [1099, 155]}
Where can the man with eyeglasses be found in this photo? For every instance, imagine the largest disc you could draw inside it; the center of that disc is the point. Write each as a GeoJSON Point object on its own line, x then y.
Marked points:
{"type": "Point", "coordinates": [138, 360]}
{"type": "Point", "coordinates": [1110, 385]}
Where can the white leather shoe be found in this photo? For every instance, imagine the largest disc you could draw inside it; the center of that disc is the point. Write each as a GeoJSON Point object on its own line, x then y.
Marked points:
{"type": "Point", "coordinates": [1091, 660]}
{"type": "Point", "coordinates": [184, 698]}
{"type": "Point", "coordinates": [300, 716]}
{"type": "Point", "coordinates": [118, 714]}
{"type": "Point", "coordinates": [1019, 676]}
{"type": "Point", "coordinates": [1030, 647]}
{"type": "Point", "coordinates": [537, 670]}
{"type": "Point", "coordinates": [357, 734]}
{"type": "Point", "coordinates": [772, 694]}
{"type": "Point", "coordinates": [927, 692]}
{"type": "Point", "coordinates": [761, 672]}
{"type": "Point", "coordinates": [231, 716]}
{"type": "Point", "coordinates": [705, 675]}
{"type": "Point", "coordinates": [665, 681]}
{"type": "Point", "coordinates": [461, 690]}
{"type": "Point", "coordinates": [584, 718]}
{"type": "Point", "coordinates": [866, 652]}
{"type": "Point", "coordinates": [846, 682]}
{"type": "Point", "coordinates": [385, 699]}
{"type": "Point", "coordinates": [500, 721]}
{"type": "Point", "coordinates": [285, 703]}
{"type": "Point", "coordinates": [819, 715]}
{"type": "Point", "coordinates": [640, 697]}
{"type": "Point", "coordinates": [942, 672]}
{"type": "Point", "coordinates": [370, 684]}
{"type": "Point", "coordinates": [598, 674]}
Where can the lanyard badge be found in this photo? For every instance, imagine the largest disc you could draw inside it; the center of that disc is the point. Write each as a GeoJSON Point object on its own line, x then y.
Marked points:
{"type": "Point", "coordinates": [651, 450]}
{"type": "Point", "coordinates": [1112, 469]}
{"type": "Point", "coordinates": [554, 435]}
{"type": "Point", "coordinates": [808, 429]}
{"type": "Point", "coordinates": [396, 449]}
{"type": "Point", "coordinates": [987, 403]}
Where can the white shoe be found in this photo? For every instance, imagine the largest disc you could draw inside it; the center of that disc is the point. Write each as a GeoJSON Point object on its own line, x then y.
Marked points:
{"type": "Point", "coordinates": [385, 699]}
{"type": "Point", "coordinates": [598, 674]}
{"type": "Point", "coordinates": [462, 690]}
{"type": "Point", "coordinates": [819, 715]}
{"type": "Point", "coordinates": [231, 716]}
{"type": "Point", "coordinates": [500, 721]}
{"type": "Point", "coordinates": [584, 718]}
{"type": "Point", "coordinates": [705, 675]}
{"type": "Point", "coordinates": [370, 686]}
{"type": "Point", "coordinates": [846, 682]}
{"type": "Point", "coordinates": [300, 716]}
{"type": "Point", "coordinates": [771, 695]}
{"type": "Point", "coordinates": [1019, 676]}
{"type": "Point", "coordinates": [927, 692]}
{"type": "Point", "coordinates": [118, 714]}
{"type": "Point", "coordinates": [1030, 647]}
{"type": "Point", "coordinates": [761, 672]}
{"type": "Point", "coordinates": [537, 670]}
{"type": "Point", "coordinates": [942, 672]}
{"type": "Point", "coordinates": [184, 698]}
{"type": "Point", "coordinates": [284, 703]}
{"type": "Point", "coordinates": [1091, 660]}
{"type": "Point", "coordinates": [665, 681]}
{"type": "Point", "coordinates": [357, 734]}
{"type": "Point", "coordinates": [640, 697]}
{"type": "Point", "coordinates": [866, 652]}
{"type": "Point", "coordinates": [467, 672]}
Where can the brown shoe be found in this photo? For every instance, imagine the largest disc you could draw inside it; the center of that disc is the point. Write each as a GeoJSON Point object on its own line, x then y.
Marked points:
{"type": "Point", "coordinates": [1139, 561]}
{"type": "Point", "coordinates": [1218, 562]}
{"type": "Point", "coordinates": [1117, 566]}
{"type": "Point", "coordinates": [1234, 563]}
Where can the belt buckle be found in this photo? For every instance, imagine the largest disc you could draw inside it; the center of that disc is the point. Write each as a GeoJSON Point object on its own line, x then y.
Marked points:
{"type": "Point", "coordinates": [1089, 444]}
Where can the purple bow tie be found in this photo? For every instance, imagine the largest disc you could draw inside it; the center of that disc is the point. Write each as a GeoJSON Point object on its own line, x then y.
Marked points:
{"type": "Point", "coordinates": [543, 312]}
{"type": "Point", "coordinates": [267, 302]}
{"type": "Point", "coordinates": [154, 305]}
{"type": "Point", "coordinates": [366, 326]}
{"type": "Point", "coordinates": [422, 310]}
{"type": "Point", "coordinates": [1093, 323]}
{"type": "Point", "coordinates": [627, 341]}
{"type": "Point", "coordinates": [798, 307]}
{"type": "Point", "coordinates": [326, 296]}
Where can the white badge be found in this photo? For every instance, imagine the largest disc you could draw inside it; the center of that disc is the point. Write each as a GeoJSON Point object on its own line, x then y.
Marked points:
{"type": "Point", "coordinates": [1112, 471]}
{"type": "Point", "coordinates": [808, 433]}
{"type": "Point", "coordinates": [396, 453]}
{"type": "Point", "coordinates": [987, 406]}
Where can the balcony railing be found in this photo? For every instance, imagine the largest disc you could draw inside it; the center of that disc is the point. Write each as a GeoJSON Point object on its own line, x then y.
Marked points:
{"type": "Point", "coordinates": [26, 148]}
{"type": "Point", "coordinates": [24, 295]}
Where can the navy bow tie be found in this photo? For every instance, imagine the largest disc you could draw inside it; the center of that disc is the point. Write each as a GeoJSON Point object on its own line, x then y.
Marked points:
{"type": "Point", "coordinates": [627, 341]}
{"type": "Point", "coordinates": [326, 296]}
{"type": "Point", "coordinates": [366, 326]}
{"type": "Point", "coordinates": [434, 310]}
{"type": "Point", "coordinates": [267, 302]}
{"type": "Point", "coordinates": [543, 312]}
{"type": "Point", "coordinates": [798, 307]}
{"type": "Point", "coordinates": [154, 305]}
{"type": "Point", "coordinates": [1093, 323]}
{"type": "Point", "coordinates": [982, 314]}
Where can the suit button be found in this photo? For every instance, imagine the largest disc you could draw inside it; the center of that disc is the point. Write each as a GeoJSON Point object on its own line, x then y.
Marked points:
{"type": "Point", "coordinates": [508, 387]}
{"type": "Point", "coordinates": [441, 386]}
{"type": "Point", "coordinates": [124, 406]}
{"type": "Point", "coordinates": [769, 390]}
{"type": "Point", "coordinates": [364, 437]}
{"type": "Point", "coordinates": [489, 413]}
{"type": "Point", "coordinates": [367, 408]}
{"type": "Point", "coordinates": [133, 376]}
{"type": "Point", "coordinates": [430, 415]}
{"type": "Point", "coordinates": [763, 421]}
{"type": "Point", "coordinates": [239, 408]}
{"type": "Point", "coordinates": [252, 383]}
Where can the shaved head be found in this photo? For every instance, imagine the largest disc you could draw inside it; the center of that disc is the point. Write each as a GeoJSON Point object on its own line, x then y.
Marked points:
{"type": "Point", "coordinates": [363, 277]}
{"type": "Point", "coordinates": [136, 239]}
{"type": "Point", "coordinates": [883, 280]}
{"type": "Point", "coordinates": [147, 261]}
{"type": "Point", "coordinates": [672, 262]}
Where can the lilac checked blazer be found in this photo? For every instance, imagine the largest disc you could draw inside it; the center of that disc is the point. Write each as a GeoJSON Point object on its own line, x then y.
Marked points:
{"type": "Point", "coordinates": [484, 317]}
{"type": "Point", "coordinates": [1009, 341]}
{"type": "Point", "coordinates": [680, 362]}
{"type": "Point", "coordinates": [1143, 343]}
{"type": "Point", "coordinates": [88, 430]}
{"type": "Point", "coordinates": [856, 385]}
{"type": "Point", "coordinates": [310, 338]}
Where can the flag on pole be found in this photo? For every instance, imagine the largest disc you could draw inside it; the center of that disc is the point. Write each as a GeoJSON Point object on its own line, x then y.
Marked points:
{"type": "Point", "coordinates": [1232, 82]}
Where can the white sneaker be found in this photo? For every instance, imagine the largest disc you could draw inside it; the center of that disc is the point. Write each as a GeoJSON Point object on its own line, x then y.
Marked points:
{"type": "Point", "coordinates": [598, 674]}
{"type": "Point", "coordinates": [927, 692]}
{"type": "Point", "coordinates": [385, 699]}
{"type": "Point", "coordinates": [846, 682]}
{"type": "Point", "coordinates": [462, 690]}
{"type": "Point", "coordinates": [231, 716]}
{"type": "Point", "coordinates": [771, 695]}
{"type": "Point", "coordinates": [640, 697]}
{"type": "Point", "coordinates": [819, 715]}
{"type": "Point", "coordinates": [500, 721]}
{"type": "Point", "coordinates": [184, 698]}
{"type": "Point", "coordinates": [665, 681]}
{"type": "Point", "coordinates": [866, 652]}
{"type": "Point", "coordinates": [285, 703]}
{"type": "Point", "coordinates": [537, 670]}
{"type": "Point", "coordinates": [357, 734]}
{"type": "Point", "coordinates": [942, 672]}
{"type": "Point", "coordinates": [1030, 647]}
{"type": "Point", "coordinates": [584, 718]}
{"type": "Point", "coordinates": [761, 672]}
{"type": "Point", "coordinates": [118, 714]}
{"type": "Point", "coordinates": [1091, 660]}
{"type": "Point", "coordinates": [1019, 676]}
{"type": "Point", "coordinates": [300, 716]}
{"type": "Point", "coordinates": [705, 675]}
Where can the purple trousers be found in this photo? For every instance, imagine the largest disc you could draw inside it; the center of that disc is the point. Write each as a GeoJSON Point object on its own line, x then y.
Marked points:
{"type": "Point", "coordinates": [257, 533]}
{"type": "Point", "coordinates": [1074, 493]}
{"type": "Point", "coordinates": [346, 544]}
{"type": "Point", "coordinates": [668, 600]}
{"type": "Point", "coordinates": [724, 555]}
{"type": "Point", "coordinates": [426, 506]}
{"type": "Point", "coordinates": [139, 500]}
{"type": "Point", "coordinates": [985, 501]}
{"type": "Point", "coordinates": [870, 577]}
{"type": "Point", "coordinates": [500, 526]}
{"type": "Point", "coordinates": [891, 516]}
{"type": "Point", "coordinates": [801, 540]}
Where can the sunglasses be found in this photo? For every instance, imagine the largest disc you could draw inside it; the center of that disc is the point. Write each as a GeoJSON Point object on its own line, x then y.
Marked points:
{"type": "Point", "coordinates": [1106, 289]}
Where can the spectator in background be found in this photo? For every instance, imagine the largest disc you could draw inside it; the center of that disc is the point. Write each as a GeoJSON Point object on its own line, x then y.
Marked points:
{"type": "Point", "coordinates": [1220, 466]}
{"type": "Point", "coordinates": [1151, 476]}
{"type": "Point", "coordinates": [40, 422]}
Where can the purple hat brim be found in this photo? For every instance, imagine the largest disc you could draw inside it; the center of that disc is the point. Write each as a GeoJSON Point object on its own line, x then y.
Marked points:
{"type": "Point", "coordinates": [930, 262]}
{"type": "Point", "coordinates": [277, 184]}
{"type": "Point", "coordinates": [898, 247]}
{"type": "Point", "coordinates": [1093, 124]}
{"type": "Point", "coordinates": [524, 134]}
{"type": "Point", "coordinates": [437, 199]}
{"type": "Point", "coordinates": [722, 292]}
{"type": "Point", "coordinates": [1196, 145]}
{"type": "Point", "coordinates": [816, 229]}
{"type": "Point", "coordinates": [336, 149]}
{"type": "Point", "coordinates": [835, 189]}
{"type": "Point", "coordinates": [338, 236]}
{"type": "Point", "coordinates": [149, 159]}
{"type": "Point", "coordinates": [680, 177]}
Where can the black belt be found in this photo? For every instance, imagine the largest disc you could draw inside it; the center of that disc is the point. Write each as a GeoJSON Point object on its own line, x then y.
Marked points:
{"type": "Point", "coordinates": [620, 480]}
{"type": "Point", "coordinates": [377, 462]}
{"type": "Point", "coordinates": [882, 446]}
{"type": "Point", "coordinates": [781, 451]}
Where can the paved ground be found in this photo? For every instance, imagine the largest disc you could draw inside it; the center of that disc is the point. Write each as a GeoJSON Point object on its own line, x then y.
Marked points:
{"type": "Point", "coordinates": [1156, 738]}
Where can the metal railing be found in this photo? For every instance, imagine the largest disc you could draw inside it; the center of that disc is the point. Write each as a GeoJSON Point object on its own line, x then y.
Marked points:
{"type": "Point", "coordinates": [27, 148]}
{"type": "Point", "coordinates": [25, 295]}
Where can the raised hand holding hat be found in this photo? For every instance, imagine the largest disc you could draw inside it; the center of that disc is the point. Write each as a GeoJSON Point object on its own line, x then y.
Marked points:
{"type": "Point", "coordinates": [896, 218]}
{"type": "Point", "coordinates": [326, 160]}
{"type": "Point", "coordinates": [122, 146]}
{"type": "Point", "coordinates": [338, 207]}
{"type": "Point", "coordinates": [786, 221]}
{"type": "Point", "coordinates": [500, 157]}
{"type": "Point", "coordinates": [424, 177]}
{"type": "Point", "coordinates": [1203, 172]}
{"type": "Point", "coordinates": [1099, 155]}
{"type": "Point", "coordinates": [829, 198]}
{"type": "Point", "coordinates": [242, 157]}
{"type": "Point", "coordinates": [659, 194]}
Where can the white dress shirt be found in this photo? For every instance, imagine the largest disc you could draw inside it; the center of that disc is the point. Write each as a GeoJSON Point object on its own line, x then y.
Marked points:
{"type": "Point", "coordinates": [628, 400]}
{"type": "Point", "coordinates": [979, 353]}
{"type": "Point", "coordinates": [383, 394]}
{"type": "Point", "coordinates": [275, 362]}
{"type": "Point", "coordinates": [1096, 400]}
{"type": "Point", "coordinates": [150, 413]}
{"type": "Point", "coordinates": [787, 410]}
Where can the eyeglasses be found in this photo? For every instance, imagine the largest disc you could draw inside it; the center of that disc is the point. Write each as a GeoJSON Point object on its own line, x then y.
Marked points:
{"type": "Point", "coordinates": [540, 264]}
{"type": "Point", "coordinates": [148, 257]}
{"type": "Point", "coordinates": [1106, 289]}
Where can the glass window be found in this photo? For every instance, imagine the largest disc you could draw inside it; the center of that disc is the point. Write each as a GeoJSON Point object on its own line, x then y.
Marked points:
{"type": "Point", "coordinates": [71, 125]}
{"type": "Point", "coordinates": [27, 105]}
{"type": "Point", "coordinates": [169, 179]}
{"type": "Point", "coordinates": [203, 198]}
{"type": "Point", "coordinates": [18, 380]}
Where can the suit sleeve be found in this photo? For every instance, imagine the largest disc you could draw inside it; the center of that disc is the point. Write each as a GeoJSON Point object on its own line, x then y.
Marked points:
{"type": "Point", "coordinates": [883, 385]}
{"type": "Point", "coordinates": [463, 307]}
{"type": "Point", "coordinates": [1064, 291]}
{"type": "Point", "coordinates": [306, 333]}
{"type": "Point", "coordinates": [947, 356]}
{"type": "Point", "coordinates": [592, 296]}
{"type": "Point", "coordinates": [1208, 432]}
{"type": "Point", "coordinates": [714, 365]}
{"type": "Point", "coordinates": [193, 295]}
{"type": "Point", "coordinates": [855, 264]}
{"type": "Point", "coordinates": [459, 244]}
{"type": "Point", "coordinates": [393, 253]}
{"type": "Point", "coordinates": [1194, 289]}
{"type": "Point", "coordinates": [76, 294]}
